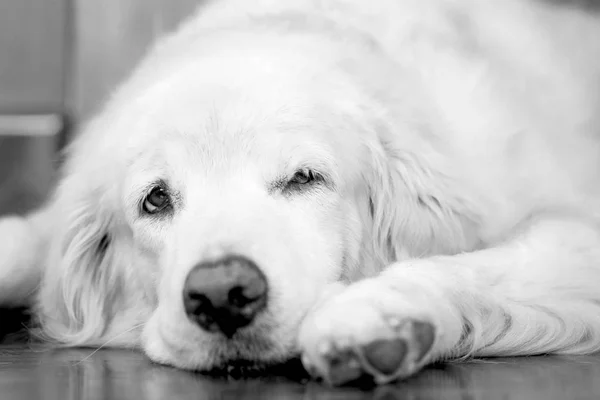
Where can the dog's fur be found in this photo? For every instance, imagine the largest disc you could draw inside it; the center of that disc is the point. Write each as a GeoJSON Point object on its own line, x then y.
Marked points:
{"type": "Point", "coordinates": [459, 145]}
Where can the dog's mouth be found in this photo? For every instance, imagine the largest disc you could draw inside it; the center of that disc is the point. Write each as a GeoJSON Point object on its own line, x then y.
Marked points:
{"type": "Point", "coordinates": [248, 353]}
{"type": "Point", "coordinates": [241, 366]}
{"type": "Point", "coordinates": [251, 369]}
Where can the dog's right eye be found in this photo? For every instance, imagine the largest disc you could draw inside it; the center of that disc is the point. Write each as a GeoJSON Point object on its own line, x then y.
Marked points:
{"type": "Point", "coordinates": [156, 201]}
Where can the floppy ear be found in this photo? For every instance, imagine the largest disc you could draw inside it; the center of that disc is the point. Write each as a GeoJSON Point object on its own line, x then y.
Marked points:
{"type": "Point", "coordinates": [83, 276]}
{"type": "Point", "coordinates": [417, 209]}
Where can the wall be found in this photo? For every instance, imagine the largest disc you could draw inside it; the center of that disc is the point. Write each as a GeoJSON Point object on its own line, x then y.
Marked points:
{"type": "Point", "coordinates": [62, 58]}
{"type": "Point", "coordinates": [33, 56]}
{"type": "Point", "coordinates": [111, 36]}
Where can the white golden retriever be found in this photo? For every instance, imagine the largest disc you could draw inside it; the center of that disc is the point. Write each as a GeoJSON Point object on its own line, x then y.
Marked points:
{"type": "Point", "coordinates": [372, 185]}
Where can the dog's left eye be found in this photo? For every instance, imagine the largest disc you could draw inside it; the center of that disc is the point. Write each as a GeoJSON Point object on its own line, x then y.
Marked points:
{"type": "Point", "coordinates": [304, 180]}
{"type": "Point", "coordinates": [303, 177]}
{"type": "Point", "coordinates": [157, 200]}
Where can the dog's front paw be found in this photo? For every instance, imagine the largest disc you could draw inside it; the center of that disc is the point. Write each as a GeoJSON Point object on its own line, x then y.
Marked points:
{"type": "Point", "coordinates": [365, 331]}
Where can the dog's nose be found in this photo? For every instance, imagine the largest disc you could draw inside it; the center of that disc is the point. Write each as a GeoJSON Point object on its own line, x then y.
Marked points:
{"type": "Point", "coordinates": [224, 295]}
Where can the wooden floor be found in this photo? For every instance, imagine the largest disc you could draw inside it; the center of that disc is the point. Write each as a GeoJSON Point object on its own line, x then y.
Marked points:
{"type": "Point", "coordinates": [28, 373]}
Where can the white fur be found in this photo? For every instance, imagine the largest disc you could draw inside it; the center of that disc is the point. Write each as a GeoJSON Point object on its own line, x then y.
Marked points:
{"type": "Point", "coordinates": [19, 275]}
{"type": "Point", "coordinates": [462, 142]}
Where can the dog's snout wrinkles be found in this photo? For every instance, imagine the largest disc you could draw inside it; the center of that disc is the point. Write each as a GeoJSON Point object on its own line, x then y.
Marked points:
{"type": "Point", "coordinates": [224, 295]}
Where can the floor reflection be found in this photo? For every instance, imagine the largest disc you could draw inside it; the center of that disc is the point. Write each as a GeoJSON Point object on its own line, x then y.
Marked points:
{"type": "Point", "coordinates": [74, 374]}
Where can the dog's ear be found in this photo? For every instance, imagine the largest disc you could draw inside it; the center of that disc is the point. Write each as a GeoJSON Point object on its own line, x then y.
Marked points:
{"type": "Point", "coordinates": [417, 208]}
{"type": "Point", "coordinates": [82, 279]}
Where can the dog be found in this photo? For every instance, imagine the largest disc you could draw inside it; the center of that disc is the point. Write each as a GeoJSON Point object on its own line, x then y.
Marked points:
{"type": "Point", "coordinates": [370, 187]}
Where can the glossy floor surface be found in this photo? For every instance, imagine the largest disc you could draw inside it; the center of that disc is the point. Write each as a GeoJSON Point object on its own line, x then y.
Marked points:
{"type": "Point", "coordinates": [29, 373]}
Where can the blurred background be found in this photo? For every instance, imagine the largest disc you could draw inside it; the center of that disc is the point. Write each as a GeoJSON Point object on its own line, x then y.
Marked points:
{"type": "Point", "coordinates": [59, 59]}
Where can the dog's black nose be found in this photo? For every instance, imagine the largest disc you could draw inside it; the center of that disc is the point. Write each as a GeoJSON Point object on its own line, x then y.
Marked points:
{"type": "Point", "coordinates": [224, 295]}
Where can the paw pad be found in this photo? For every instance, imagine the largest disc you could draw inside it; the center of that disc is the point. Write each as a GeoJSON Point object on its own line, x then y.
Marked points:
{"type": "Point", "coordinates": [383, 359]}
{"type": "Point", "coordinates": [424, 334]}
{"type": "Point", "coordinates": [386, 356]}
{"type": "Point", "coordinates": [344, 366]}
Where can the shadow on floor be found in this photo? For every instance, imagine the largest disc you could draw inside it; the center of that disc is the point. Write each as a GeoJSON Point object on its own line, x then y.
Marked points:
{"type": "Point", "coordinates": [31, 373]}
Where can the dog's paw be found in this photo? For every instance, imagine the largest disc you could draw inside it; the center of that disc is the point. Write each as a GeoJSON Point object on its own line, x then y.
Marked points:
{"type": "Point", "coordinates": [363, 332]}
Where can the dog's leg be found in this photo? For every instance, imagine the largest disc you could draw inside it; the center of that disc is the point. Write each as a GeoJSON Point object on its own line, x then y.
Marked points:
{"type": "Point", "coordinates": [537, 293]}
{"type": "Point", "coordinates": [22, 249]}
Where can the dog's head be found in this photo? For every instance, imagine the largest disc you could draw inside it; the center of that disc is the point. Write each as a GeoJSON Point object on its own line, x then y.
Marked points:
{"type": "Point", "coordinates": [219, 197]}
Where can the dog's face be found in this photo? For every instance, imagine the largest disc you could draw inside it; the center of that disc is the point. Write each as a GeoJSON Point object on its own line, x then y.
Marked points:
{"type": "Point", "coordinates": [244, 172]}
{"type": "Point", "coordinates": [234, 199]}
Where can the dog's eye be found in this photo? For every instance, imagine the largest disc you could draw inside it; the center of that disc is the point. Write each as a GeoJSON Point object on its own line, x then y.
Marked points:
{"type": "Point", "coordinates": [303, 180]}
{"type": "Point", "coordinates": [303, 177]}
{"type": "Point", "coordinates": [156, 200]}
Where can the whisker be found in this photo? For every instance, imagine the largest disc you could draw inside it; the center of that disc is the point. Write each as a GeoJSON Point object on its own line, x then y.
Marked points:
{"type": "Point", "coordinates": [108, 342]}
